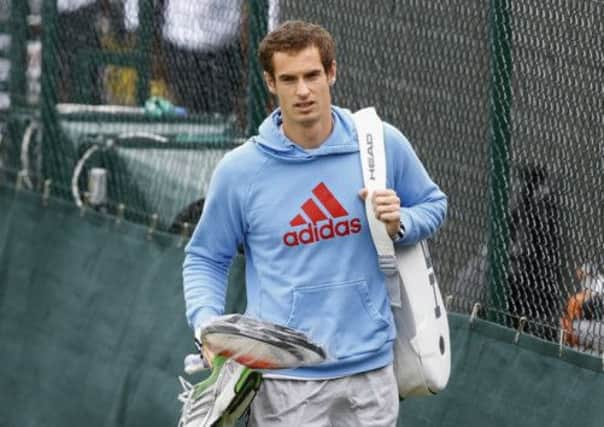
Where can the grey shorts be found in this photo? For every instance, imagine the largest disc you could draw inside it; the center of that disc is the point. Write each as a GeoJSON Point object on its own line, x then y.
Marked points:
{"type": "Point", "coordinates": [369, 399]}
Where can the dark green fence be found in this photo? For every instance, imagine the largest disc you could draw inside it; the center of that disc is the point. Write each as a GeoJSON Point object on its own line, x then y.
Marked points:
{"type": "Point", "coordinates": [93, 333]}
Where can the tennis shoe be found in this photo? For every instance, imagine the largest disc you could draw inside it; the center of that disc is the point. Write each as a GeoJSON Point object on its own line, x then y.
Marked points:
{"type": "Point", "coordinates": [222, 398]}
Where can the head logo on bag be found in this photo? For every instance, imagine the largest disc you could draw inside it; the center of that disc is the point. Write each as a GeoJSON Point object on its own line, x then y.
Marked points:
{"type": "Point", "coordinates": [323, 217]}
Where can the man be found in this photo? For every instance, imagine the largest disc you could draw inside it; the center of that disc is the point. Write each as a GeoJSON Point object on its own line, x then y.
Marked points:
{"type": "Point", "coordinates": [535, 242]}
{"type": "Point", "coordinates": [293, 197]}
{"type": "Point", "coordinates": [77, 31]}
{"type": "Point", "coordinates": [204, 53]}
{"type": "Point", "coordinates": [583, 316]}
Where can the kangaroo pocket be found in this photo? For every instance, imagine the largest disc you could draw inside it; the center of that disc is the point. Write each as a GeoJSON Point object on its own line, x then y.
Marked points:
{"type": "Point", "coordinates": [339, 316]}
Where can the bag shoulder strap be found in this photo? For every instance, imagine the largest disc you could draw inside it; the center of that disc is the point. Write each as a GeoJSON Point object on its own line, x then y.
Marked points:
{"type": "Point", "coordinates": [370, 133]}
{"type": "Point", "coordinates": [373, 162]}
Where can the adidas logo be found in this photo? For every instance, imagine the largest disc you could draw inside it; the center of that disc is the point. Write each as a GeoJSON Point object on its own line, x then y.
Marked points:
{"type": "Point", "coordinates": [322, 213]}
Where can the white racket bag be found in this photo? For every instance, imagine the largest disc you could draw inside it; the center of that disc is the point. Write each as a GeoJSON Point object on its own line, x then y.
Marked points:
{"type": "Point", "coordinates": [422, 351]}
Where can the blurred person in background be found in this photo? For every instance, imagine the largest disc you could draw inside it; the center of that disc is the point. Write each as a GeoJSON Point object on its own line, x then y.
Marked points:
{"type": "Point", "coordinates": [108, 26]}
{"type": "Point", "coordinates": [121, 34]}
{"type": "Point", "coordinates": [77, 30]}
{"type": "Point", "coordinates": [203, 45]}
{"type": "Point", "coordinates": [203, 53]}
{"type": "Point", "coordinates": [590, 277]}
{"type": "Point", "coordinates": [534, 270]}
{"type": "Point", "coordinates": [190, 215]}
{"type": "Point", "coordinates": [582, 321]}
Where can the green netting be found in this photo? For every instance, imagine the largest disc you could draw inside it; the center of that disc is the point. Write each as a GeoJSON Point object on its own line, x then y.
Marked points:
{"type": "Point", "coordinates": [164, 83]}
{"type": "Point", "coordinates": [501, 99]}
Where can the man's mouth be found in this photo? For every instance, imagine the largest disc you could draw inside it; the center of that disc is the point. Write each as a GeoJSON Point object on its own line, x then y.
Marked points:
{"type": "Point", "coordinates": [304, 105]}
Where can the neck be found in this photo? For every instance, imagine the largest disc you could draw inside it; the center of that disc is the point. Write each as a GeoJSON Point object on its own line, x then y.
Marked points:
{"type": "Point", "coordinates": [309, 136]}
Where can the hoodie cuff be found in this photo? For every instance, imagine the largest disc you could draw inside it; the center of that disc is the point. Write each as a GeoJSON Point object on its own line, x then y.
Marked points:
{"type": "Point", "coordinates": [400, 235]}
{"type": "Point", "coordinates": [203, 317]}
{"type": "Point", "coordinates": [405, 224]}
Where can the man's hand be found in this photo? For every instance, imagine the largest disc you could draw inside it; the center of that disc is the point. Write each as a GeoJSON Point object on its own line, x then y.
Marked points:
{"type": "Point", "coordinates": [386, 206]}
{"type": "Point", "coordinates": [207, 355]}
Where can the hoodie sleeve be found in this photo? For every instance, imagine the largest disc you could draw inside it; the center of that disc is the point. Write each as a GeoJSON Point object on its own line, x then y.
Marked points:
{"type": "Point", "coordinates": [423, 204]}
{"type": "Point", "coordinates": [209, 253]}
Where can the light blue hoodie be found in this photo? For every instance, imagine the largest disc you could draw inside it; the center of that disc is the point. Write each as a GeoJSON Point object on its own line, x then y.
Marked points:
{"type": "Point", "coordinates": [310, 261]}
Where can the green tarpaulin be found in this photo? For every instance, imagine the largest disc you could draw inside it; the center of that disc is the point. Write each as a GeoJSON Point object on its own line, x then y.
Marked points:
{"type": "Point", "coordinates": [92, 333]}
{"type": "Point", "coordinates": [497, 383]}
{"type": "Point", "coordinates": [91, 318]}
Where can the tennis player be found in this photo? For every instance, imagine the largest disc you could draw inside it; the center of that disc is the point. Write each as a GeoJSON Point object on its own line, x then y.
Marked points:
{"type": "Point", "coordinates": [293, 197]}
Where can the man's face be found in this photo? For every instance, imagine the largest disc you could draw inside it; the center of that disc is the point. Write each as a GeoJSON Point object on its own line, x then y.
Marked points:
{"type": "Point", "coordinates": [302, 86]}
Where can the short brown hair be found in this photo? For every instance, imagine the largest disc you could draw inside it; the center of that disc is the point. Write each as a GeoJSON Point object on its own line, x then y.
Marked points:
{"type": "Point", "coordinates": [294, 36]}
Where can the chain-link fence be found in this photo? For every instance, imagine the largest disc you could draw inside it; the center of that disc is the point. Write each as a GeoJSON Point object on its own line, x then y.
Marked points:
{"type": "Point", "coordinates": [137, 100]}
{"type": "Point", "coordinates": [501, 99]}
{"type": "Point", "coordinates": [503, 102]}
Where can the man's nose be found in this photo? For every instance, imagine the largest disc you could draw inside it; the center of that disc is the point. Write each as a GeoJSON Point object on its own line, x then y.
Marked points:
{"type": "Point", "coordinates": [302, 88]}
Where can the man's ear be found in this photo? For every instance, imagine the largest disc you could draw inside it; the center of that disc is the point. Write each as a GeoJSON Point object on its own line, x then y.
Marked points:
{"type": "Point", "coordinates": [331, 73]}
{"type": "Point", "coordinates": [270, 82]}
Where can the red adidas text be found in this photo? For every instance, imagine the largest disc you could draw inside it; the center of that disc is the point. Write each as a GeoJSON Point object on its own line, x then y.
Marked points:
{"type": "Point", "coordinates": [326, 220]}
{"type": "Point", "coordinates": [315, 232]}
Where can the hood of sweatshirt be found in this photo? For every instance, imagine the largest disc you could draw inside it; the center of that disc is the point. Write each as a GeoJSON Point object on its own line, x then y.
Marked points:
{"type": "Point", "coordinates": [272, 140]}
